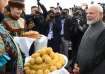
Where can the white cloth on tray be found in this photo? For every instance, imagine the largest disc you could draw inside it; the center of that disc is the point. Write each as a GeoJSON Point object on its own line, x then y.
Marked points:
{"type": "Point", "coordinates": [25, 43]}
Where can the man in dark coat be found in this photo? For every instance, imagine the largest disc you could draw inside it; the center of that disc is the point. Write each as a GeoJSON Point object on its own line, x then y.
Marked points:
{"type": "Point", "coordinates": [91, 53]}
{"type": "Point", "coordinates": [52, 31]}
{"type": "Point", "coordinates": [73, 34]}
{"type": "Point", "coordinates": [36, 20]}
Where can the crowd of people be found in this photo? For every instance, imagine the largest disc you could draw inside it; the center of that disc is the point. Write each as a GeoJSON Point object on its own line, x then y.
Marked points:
{"type": "Point", "coordinates": [79, 35]}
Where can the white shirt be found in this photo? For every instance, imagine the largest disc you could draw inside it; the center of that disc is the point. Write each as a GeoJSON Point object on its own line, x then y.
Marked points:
{"type": "Point", "coordinates": [50, 34]}
{"type": "Point", "coordinates": [62, 29]}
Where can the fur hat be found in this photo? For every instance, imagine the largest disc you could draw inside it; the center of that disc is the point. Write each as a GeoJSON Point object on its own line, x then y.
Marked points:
{"type": "Point", "coordinates": [16, 3]}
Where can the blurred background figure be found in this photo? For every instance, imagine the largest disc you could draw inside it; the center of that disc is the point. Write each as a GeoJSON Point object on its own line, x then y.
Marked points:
{"type": "Point", "coordinates": [3, 4]}
{"type": "Point", "coordinates": [37, 18]}
{"type": "Point", "coordinates": [52, 31]}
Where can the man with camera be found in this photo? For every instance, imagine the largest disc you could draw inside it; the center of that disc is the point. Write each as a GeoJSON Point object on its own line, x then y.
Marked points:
{"type": "Point", "coordinates": [36, 20]}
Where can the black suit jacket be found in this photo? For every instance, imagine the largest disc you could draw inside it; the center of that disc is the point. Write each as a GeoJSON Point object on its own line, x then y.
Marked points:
{"type": "Point", "coordinates": [56, 30]}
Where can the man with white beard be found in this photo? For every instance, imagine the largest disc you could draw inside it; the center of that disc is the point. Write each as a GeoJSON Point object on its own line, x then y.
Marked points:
{"type": "Point", "coordinates": [91, 53]}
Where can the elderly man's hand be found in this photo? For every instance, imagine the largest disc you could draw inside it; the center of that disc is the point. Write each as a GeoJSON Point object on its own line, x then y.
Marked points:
{"type": "Point", "coordinates": [76, 69]}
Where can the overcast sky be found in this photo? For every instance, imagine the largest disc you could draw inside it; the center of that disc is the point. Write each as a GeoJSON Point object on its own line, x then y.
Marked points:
{"type": "Point", "coordinates": [63, 3]}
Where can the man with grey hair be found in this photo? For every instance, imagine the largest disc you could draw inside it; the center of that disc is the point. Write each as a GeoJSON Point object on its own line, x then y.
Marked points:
{"type": "Point", "coordinates": [91, 53]}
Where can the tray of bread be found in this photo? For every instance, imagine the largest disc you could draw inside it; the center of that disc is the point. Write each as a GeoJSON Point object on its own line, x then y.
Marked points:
{"type": "Point", "coordinates": [32, 34]}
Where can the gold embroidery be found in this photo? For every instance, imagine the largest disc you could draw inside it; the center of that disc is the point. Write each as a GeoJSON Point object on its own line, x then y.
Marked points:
{"type": "Point", "coordinates": [2, 47]}
{"type": "Point", "coordinates": [21, 22]}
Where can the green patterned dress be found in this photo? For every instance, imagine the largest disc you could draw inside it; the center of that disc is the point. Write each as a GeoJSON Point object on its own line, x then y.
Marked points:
{"type": "Point", "coordinates": [10, 55]}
